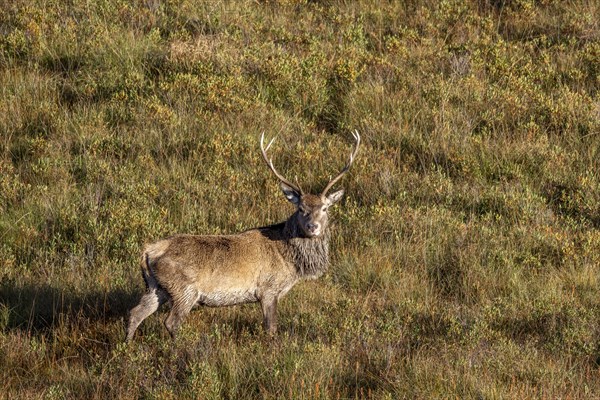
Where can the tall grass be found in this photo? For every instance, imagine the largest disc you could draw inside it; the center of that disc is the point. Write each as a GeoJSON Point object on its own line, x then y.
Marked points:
{"type": "Point", "coordinates": [466, 256]}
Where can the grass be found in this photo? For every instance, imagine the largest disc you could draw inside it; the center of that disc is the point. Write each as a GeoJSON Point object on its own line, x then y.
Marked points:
{"type": "Point", "coordinates": [466, 254]}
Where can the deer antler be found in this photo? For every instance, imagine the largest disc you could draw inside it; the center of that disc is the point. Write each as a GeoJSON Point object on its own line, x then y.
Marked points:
{"type": "Point", "coordinates": [348, 164]}
{"type": "Point", "coordinates": [269, 162]}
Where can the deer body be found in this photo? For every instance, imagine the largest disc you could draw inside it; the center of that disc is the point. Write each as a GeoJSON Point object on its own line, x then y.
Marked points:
{"type": "Point", "coordinates": [258, 265]}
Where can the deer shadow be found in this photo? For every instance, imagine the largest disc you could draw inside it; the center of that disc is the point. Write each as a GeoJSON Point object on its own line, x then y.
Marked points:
{"type": "Point", "coordinates": [41, 308]}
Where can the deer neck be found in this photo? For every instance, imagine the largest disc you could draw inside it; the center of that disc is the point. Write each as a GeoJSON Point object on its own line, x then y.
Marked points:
{"type": "Point", "coordinates": [310, 256]}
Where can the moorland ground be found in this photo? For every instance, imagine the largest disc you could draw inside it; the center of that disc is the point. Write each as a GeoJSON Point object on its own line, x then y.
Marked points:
{"type": "Point", "coordinates": [466, 253]}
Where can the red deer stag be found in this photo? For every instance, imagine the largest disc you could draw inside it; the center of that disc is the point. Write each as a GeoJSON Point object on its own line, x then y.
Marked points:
{"type": "Point", "coordinates": [258, 265]}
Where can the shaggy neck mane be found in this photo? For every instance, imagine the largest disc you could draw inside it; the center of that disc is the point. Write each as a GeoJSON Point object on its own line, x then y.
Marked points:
{"type": "Point", "coordinates": [309, 255]}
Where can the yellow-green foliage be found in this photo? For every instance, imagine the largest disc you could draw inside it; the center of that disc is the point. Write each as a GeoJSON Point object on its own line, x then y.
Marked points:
{"type": "Point", "coordinates": [466, 257]}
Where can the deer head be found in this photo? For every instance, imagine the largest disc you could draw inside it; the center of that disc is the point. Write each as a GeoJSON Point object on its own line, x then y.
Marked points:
{"type": "Point", "coordinates": [311, 210]}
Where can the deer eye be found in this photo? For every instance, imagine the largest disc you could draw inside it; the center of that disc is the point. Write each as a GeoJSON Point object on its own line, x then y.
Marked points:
{"type": "Point", "coordinates": [303, 210]}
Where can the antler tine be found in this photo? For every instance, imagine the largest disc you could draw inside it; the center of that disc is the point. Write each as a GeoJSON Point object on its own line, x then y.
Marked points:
{"type": "Point", "coordinates": [301, 191]}
{"type": "Point", "coordinates": [332, 182]}
{"type": "Point", "coordinates": [270, 164]}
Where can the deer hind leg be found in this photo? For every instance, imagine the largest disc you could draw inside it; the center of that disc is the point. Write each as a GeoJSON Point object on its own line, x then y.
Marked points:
{"type": "Point", "coordinates": [181, 309]}
{"type": "Point", "coordinates": [149, 303]}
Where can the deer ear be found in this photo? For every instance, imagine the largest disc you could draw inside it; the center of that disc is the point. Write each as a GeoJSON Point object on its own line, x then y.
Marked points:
{"type": "Point", "coordinates": [292, 195]}
{"type": "Point", "coordinates": [335, 197]}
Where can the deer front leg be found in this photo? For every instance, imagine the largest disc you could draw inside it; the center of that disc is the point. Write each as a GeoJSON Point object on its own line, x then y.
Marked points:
{"type": "Point", "coordinates": [269, 309]}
